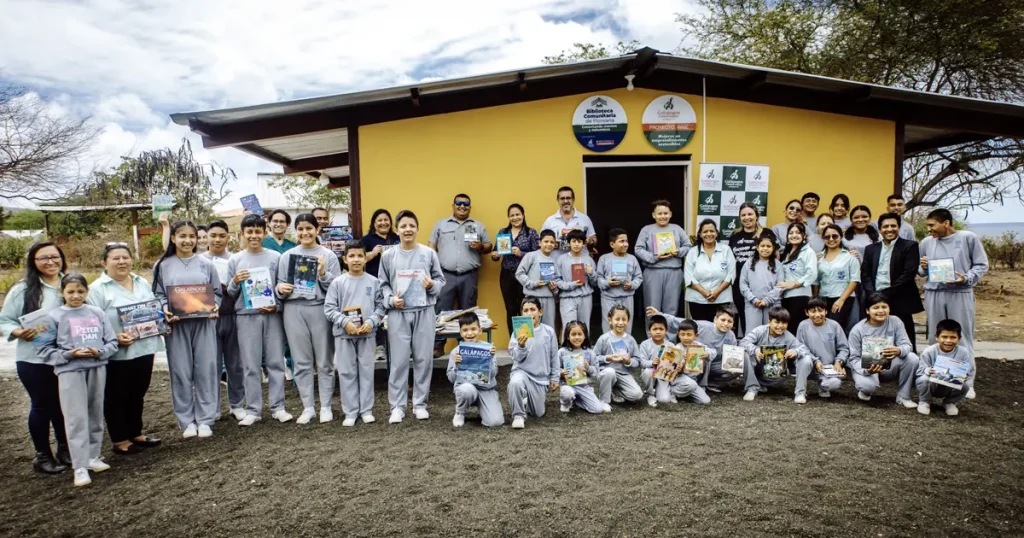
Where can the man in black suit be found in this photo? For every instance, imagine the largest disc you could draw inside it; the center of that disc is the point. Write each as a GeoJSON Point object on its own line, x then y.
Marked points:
{"type": "Point", "coordinates": [890, 266]}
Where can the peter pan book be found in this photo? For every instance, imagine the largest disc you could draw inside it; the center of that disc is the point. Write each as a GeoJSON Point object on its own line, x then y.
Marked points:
{"type": "Point", "coordinates": [871, 350]}
{"type": "Point", "coordinates": [547, 271]}
{"type": "Point", "coordinates": [410, 287]}
{"type": "Point", "coordinates": [475, 366]}
{"type": "Point", "coordinates": [86, 332]}
{"type": "Point", "coordinates": [575, 373]}
{"type": "Point", "coordinates": [774, 361]}
{"type": "Point", "coordinates": [40, 320]}
{"type": "Point", "coordinates": [143, 320]}
{"type": "Point", "coordinates": [252, 205]}
{"type": "Point", "coordinates": [732, 358]}
{"type": "Point", "coordinates": [668, 367]}
{"type": "Point", "coordinates": [302, 273]}
{"type": "Point", "coordinates": [620, 270]}
{"type": "Point", "coordinates": [522, 326]}
{"type": "Point", "coordinates": [941, 270]}
{"type": "Point", "coordinates": [695, 356]}
{"type": "Point", "coordinates": [664, 243]}
{"type": "Point", "coordinates": [258, 289]}
{"type": "Point", "coordinates": [579, 273]}
{"type": "Point", "coordinates": [503, 244]}
{"type": "Point", "coordinates": [191, 301]}
{"type": "Point", "coordinates": [949, 372]}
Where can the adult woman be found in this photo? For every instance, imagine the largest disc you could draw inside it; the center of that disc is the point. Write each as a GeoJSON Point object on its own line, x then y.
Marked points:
{"type": "Point", "coordinates": [130, 369]}
{"type": "Point", "coordinates": [839, 207]}
{"type": "Point", "coordinates": [743, 244]}
{"type": "Point", "coordinates": [799, 272]}
{"type": "Point", "coordinates": [708, 273]}
{"type": "Point", "coordinates": [816, 241]}
{"type": "Point", "coordinates": [39, 290]}
{"type": "Point", "coordinates": [794, 212]}
{"type": "Point", "coordinates": [838, 276]}
{"type": "Point", "coordinates": [860, 233]}
{"type": "Point", "coordinates": [524, 239]}
{"type": "Point", "coordinates": [382, 238]}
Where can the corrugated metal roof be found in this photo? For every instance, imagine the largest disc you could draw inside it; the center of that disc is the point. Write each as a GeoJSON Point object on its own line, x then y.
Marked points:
{"type": "Point", "coordinates": [308, 145]}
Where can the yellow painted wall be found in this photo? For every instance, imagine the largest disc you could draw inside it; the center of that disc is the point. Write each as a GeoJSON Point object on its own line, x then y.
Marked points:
{"type": "Point", "coordinates": [524, 152]}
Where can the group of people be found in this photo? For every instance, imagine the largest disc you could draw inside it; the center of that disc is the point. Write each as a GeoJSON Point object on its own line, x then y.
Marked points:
{"type": "Point", "coordinates": [748, 292]}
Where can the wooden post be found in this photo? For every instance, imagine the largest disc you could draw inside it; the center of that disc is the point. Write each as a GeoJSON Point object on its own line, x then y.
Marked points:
{"type": "Point", "coordinates": [46, 219]}
{"type": "Point", "coordinates": [355, 213]}
{"type": "Point", "coordinates": [897, 176]}
{"type": "Point", "coordinates": [135, 233]}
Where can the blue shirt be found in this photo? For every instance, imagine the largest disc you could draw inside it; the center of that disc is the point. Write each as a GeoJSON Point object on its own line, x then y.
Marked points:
{"type": "Point", "coordinates": [834, 276]}
{"type": "Point", "coordinates": [371, 241]}
{"type": "Point", "coordinates": [882, 278]}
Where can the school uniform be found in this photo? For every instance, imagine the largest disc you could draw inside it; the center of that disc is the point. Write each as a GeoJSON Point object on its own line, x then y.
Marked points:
{"type": "Point", "coordinates": [753, 370]}
{"type": "Point", "coordinates": [744, 247]}
{"type": "Point", "coordinates": [710, 272]}
{"type": "Point", "coordinates": [781, 231]}
{"type": "Point", "coordinates": [949, 300]}
{"type": "Point", "coordinates": [714, 375]}
{"type": "Point", "coordinates": [803, 269]}
{"type": "Point", "coordinates": [582, 396]}
{"type": "Point", "coordinates": [858, 242]}
{"type": "Point", "coordinates": [828, 346]}
{"type": "Point", "coordinates": [902, 368]}
{"type": "Point", "coordinates": [663, 279]}
{"type": "Point", "coordinates": [833, 279]}
{"type": "Point", "coordinates": [229, 359]}
{"type": "Point", "coordinates": [616, 378]}
{"type": "Point", "coordinates": [759, 283]}
{"type": "Point", "coordinates": [683, 386]}
{"type": "Point", "coordinates": [460, 263]}
{"type": "Point", "coordinates": [483, 395]}
{"type": "Point", "coordinates": [927, 391]}
{"type": "Point", "coordinates": [528, 274]}
{"type": "Point", "coordinates": [617, 295]}
{"type": "Point", "coordinates": [534, 368]}
{"type": "Point", "coordinates": [355, 352]}
{"type": "Point", "coordinates": [562, 227]}
{"type": "Point", "coordinates": [575, 302]}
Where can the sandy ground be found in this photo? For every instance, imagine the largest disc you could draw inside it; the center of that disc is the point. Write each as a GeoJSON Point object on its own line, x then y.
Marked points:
{"type": "Point", "coordinates": [1000, 306]}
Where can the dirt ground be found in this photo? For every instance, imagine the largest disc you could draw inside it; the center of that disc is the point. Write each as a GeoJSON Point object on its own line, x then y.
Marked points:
{"type": "Point", "coordinates": [829, 468]}
{"type": "Point", "coordinates": [1000, 306]}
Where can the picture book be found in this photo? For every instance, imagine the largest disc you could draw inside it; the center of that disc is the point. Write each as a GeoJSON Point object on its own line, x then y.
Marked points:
{"type": "Point", "coordinates": [221, 265]}
{"type": "Point", "coordinates": [410, 287]}
{"type": "Point", "coordinates": [503, 244]}
{"type": "Point", "coordinates": [547, 271]}
{"type": "Point", "coordinates": [162, 203]}
{"type": "Point", "coordinates": [522, 325]}
{"type": "Point", "coordinates": [664, 243]}
{"type": "Point", "coordinates": [143, 320]}
{"type": "Point", "coordinates": [670, 360]}
{"type": "Point", "coordinates": [563, 238]}
{"type": "Point", "coordinates": [191, 301]}
{"type": "Point", "coordinates": [830, 371]}
{"type": "Point", "coordinates": [579, 273]}
{"type": "Point", "coordinates": [252, 205]}
{"type": "Point", "coordinates": [620, 348]}
{"type": "Point", "coordinates": [871, 350]}
{"type": "Point", "coordinates": [86, 332]}
{"type": "Point", "coordinates": [620, 270]}
{"type": "Point", "coordinates": [695, 357]}
{"type": "Point", "coordinates": [354, 312]}
{"type": "Point", "coordinates": [475, 366]}
{"type": "Point", "coordinates": [302, 273]}
{"type": "Point", "coordinates": [470, 234]}
{"type": "Point", "coordinates": [949, 372]}
{"type": "Point", "coordinates": [40, 320]}
{"type": "Point", "coordinates": [774, 361]}
{"type": "Point", "coordinates": [732, 359]}
{"type": "Point", "coordinates": [941, 270]}
{"type": "Point", "coordinates": [575, 373]}
{"type": "Point", "coordinates": [333, 238]}
{"type": "Point", "coordinates": [258, 289]}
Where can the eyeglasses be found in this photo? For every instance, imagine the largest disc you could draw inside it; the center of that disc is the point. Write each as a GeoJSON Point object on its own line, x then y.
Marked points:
{"type": "Point", "coordinates": [279, 222]}
{"type": "Point", "coordinates": [566, 198]}
{"type": "Point", "coordinates": [831, 236]}
{"type": "Point", "coordinates": [794, 208]}
{"type": "Point", "coordinates": [49, 259]}
{"type": "Point", "coordinates": [462, 203]}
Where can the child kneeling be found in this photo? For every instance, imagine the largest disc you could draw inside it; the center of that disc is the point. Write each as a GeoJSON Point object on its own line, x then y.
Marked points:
{"type": "Point", "coordinates": [774, 334]}
{"type": "Point", "coordinates": [685, 384]}
{"type": "Point", "coordinates": [534, 366]}
{"type": "Point", "coordinates": [474, 387]}
{"type": "Point", "coordinates": [578, 366]}
{"type": "Point", "coordinates": [616, 352]}
{"type": "Point", "coordinates": [948, 361]}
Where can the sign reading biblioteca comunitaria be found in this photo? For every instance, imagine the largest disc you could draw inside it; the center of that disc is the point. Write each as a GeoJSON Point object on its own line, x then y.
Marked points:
{"type": "Point", "coordinates": [599, 123]}
{"type": "Point", "coordinates": [723, 187]}
{"type": "Point", "coordinates": [669, 122]}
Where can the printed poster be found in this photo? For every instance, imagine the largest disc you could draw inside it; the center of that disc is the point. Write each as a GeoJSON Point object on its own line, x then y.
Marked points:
{"type": "Point", "coordinates": [724, 187]}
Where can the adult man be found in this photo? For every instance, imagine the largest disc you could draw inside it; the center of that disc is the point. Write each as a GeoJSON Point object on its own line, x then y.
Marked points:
{"type": "Point", "coordinates": [897, 205]}
{"type": "Point", "coordinates": [279, 222]}
{"type": "Point", "coordinates": [890, 267]}
{"type": "Point", "coordinates": [323, 217]}
{"type": "Point", "coordinates": [459, 242]}
{"type": "Point", "coordinates": [809, 205]}
{"type": "Point", "coordinates": [568, 218]}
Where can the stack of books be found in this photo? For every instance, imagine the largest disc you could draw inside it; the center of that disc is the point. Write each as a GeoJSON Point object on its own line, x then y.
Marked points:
{"type": "Point", "coordinates": [448, 320]}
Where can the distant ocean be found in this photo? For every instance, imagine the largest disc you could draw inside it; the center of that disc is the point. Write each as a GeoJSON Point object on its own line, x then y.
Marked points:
{"type": "Point", "coordinates": [997, 229]}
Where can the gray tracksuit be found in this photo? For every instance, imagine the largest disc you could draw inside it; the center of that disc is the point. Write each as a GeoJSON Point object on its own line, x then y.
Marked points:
{"type": "Point", "coordinates": [903, 367]}
{"type": "Point", "coordinates": [308, 330]}
{"type": "Point", "coordinates": [582, 396]}
{"type": "Point", "coordinates": [616, 378]}
{"type": "Point", "coordinates": [355, 353]}
{"type": "Point", "coordinates": [663, 279]}
{"type": "Point", "coordinates": [81, 382]}
{"type": "Point", "coordinates": [259, 336]}
{"type": "Point", "coordinates": [683, 386]}
{"type": "Point", "coordinates": [575, 302]}
{"type": "Point", "coordinates": [534, 368]}
{"type": "Point", "coordinates": [926, 390]}
{"type": "Point", "coordinates": [613, 295]}
{"type": "Point", "coordinates": [228, 357]}
{"type": "Point", "coordinates": [954, 301]}
{"type": "Point", "coordinates": [528, 274]}
{"type": "Point", "coordinates": [411, 329]}
{"type": "Point", "coordinates": [760, 336]}
{"type": "Point", "coordinates": [192, 344]}
{"type": "Point", "coordinates": [483, 395]}
{"type": "Point", "coordinates": [714, 340]}
{"type": "Point", "coordinates": [761, 283]}
{"type": "Point", "coordinates": [827, 345]}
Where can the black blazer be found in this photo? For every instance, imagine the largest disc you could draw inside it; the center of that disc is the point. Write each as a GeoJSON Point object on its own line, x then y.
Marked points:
{"type": "Point", "coordinates": [906, 258]}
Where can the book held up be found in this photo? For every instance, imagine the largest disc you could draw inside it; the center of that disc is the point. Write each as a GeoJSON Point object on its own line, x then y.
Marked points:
{"type": "Point", "coordinates": [86, 332]}
{"type": "Point", "coordinates": [503, 244]}
{"type": "Point", "coordinates": [547, 271]}
{"type": "Point", "coordinates": [871, 350]}
{"type": "Point", "coordinates": [941, 270]}
{"type": "Point", "coordinates": [620, 270]}
{"type": "Point", "coordinates": [579, 273]}
{"type": "Point", "coordinates": [522, 326]}
{"type": "Point", "coordinates": [191, 301]}
{"type": "Point", "coordinates": [774, 362]}
{"type": "Point", "coordinates": [949, 372]}
{"type": "Point", "coordinates": [258, 289]}
{"type": "Point", "coordinates": [664, 243]}
{"type": "Point", "coordinates": [732, 358]}
{"type": "Point", "coordinates": [575, 371]}
{"type": "Point", "coordinates": [410, 287]}
{"type": "Point", "coordinates": [302, 274]}
{"type": "Point", "coordinates": [251, 204]}
{"type": "Point", "coordinates": [43, 324]}
{"type": "Point", "coordinates": [669, 363]}
{"type": "Point", "coordinates": [143, 320]}
{"type": "Point", "coordinates": [475, 366]}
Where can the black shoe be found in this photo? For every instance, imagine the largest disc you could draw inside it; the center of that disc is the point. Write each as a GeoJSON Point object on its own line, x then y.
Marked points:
{"type": "Point", "coordinates": [147, 442]}
{"type": "Point", "coordinates": [63, 455]}
{"type": "Point", "coordinates": [132, 449]}
{"type": "Point", "coordinates": [44, 463]}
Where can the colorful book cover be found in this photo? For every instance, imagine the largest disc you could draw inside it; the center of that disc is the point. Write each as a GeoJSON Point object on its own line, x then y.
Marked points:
{"type": "Point", "coordinates": [563, 238]}
{"type": "Point", "coordinates": [941, 270]}
{"type": "Point", "coordinates": [410, 287]}
{"type": "Point", "coordinates": [575, 372]}
{"type": "Point", "coordinates": [333, 238]}
{"type": "Point", "coordinates": [665, 243]}
{"type": "Point", "coordinates": [475, 366]}
{"type": "Point", "coordinates": [191, 301]}
{"type": "Point", "coordinates": [774, 363]}
{"type": "Point", "coordinates": [354, 312]}
{"type": "Point", "coordinates": [46, 328]}
{"type": "Point", "coordinates": [670, 360]}
{"type": "Point", "coordinates": [143, 320]}
{"type": "Point", "coordinates": [251, 204]}
{"type": "Point", "coordinates": [221, 265]}
{"type": "Point", "coordinates": [547, 271]}
{"type": "Point", "coordinates": [522, 326]}
{"type": "Point", "coordinates": [470, 233]}
{"type": "Point", "coordinates": [302, 273]}
{"type": "Point", "coordinates": [503, 244]}
{"type": "Point", "coordinates": [871, 350]}
{"type": "Point", "coordinates": [258, 289]}
{"type": "Point", "coordinates": [830, 371]}
{"type": "Point", "coordinates": [620, 348]}
{"type": "Point", "coordinates": [949, 372]}
{"type": "Point", "coordinates": [695, 357]}
{"type": "Point", "coordinates": [620, 270]}
{"type": "Point", "coordinates": [732, 359]}
{"type": "Point", "coordinates": [579, 273]}
{"type": "Point", "coordinates": [86, 332]}
{"type": "Point", "coordinates": [162, 203]}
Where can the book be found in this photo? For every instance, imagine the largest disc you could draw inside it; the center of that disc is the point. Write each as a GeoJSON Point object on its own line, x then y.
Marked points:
{"type": "Point", "coordinates": [949, 371]}
{"type": "Point", "coordinates": [162, 203]}
{"type": "Point", "coordinates": [191, 301]}
{"type": "Point", "coordinates": [522, 326]}
{"type": "Point", "coordinates": [333, 238]}
{"type": "Point", "coordinates": [563, 238]}
{"type": "Point", "coordinates": [871, 350]}
{"type": "Point", "coordinates": [251, 204]}
{"type": "Point", "coordinates": [547, 271]}
{"type": "Point", "coordinates": [410, 287]}
{"type": "Point", "coordinates": [475, 366]}
{"type": "Point", "coordinates": [774, 364]}
{"type": "Point", "coordinates": [695, 357]}
{"type": "Point", "coordinates": [575, 373]}
{"type": "Point", "coordinates": [671, 357]}
{"type": "Point", "coordinates": [143, 320]}
{"type": "Point", "coordinates": [356, 312]}
{"type": "Point", "coordinates": [221, 265]}
{"type": "Point", "coordinates": [733, 358]}
{"type": "Point", "coordinates": [941, 270]}
{"type": "Point", "coordinates": [86, 332]}
{"type": "Point", "coordinates": [258, 289]}
{"type": "Point", "coordinates": [503, 244]}
{"type": "Point", "coordinates": [620, 348]}
{"type": "Point", "coordinates": [830, 371]}
{"type": "Point", "coordinates": [40, 320]}
{"type": "Point", "coordinates": [579, 273]}
{"type": "Point", "coordinates": [302, 273]}
{"type": "Point", "coordinates": [470, 235]}
{"type": "Point", "coordinates": [664, 243]}
{"type": "Point", "coordinates": [620, 270]}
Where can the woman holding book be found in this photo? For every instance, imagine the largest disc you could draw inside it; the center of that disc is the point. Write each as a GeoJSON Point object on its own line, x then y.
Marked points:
{"type": "Point", "coordinates": [523, 240]}
{"type": "Point", "coordinates": [743, 244]}
{"type": "Point", "coordinates": [661, 248]}
{"type": "Point", "coordinates": [130, 369]}
{"type": "Point", "coordinates": [35, 295]}
{"type": "Point", "coordinates": [709, 272]}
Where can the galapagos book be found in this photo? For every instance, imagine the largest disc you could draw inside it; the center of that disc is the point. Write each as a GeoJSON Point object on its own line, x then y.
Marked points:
{"type": "Point", "coordinates": [475, 366]}
{"type": "Point", "coordinates": [143, 320]}
{"type": "Point", "coordinates": [191, 301]}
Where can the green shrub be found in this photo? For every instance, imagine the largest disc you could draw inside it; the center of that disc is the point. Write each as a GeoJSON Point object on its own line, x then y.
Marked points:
{"type": "Point", "coordinates": [1007, 250]}
{"type": "Point", "coordinates": [12, 252]}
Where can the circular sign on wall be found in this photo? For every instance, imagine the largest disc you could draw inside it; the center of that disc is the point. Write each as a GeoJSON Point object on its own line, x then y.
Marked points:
{"type": "Point", "coordinates": [599, 123]}
{"type": "Point", "coordinates": [669, 122]}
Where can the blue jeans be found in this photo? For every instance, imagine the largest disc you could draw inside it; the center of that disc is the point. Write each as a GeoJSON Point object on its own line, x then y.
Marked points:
{"type": "Point", "coordinates": [41, 384]}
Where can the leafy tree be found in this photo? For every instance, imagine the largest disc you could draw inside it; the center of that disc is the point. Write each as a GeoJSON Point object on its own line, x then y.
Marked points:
{"type": "Point", "coordinates": [589, 51]}
{"type": "Point", "coordinates": [28, 219]}
{"type": "Point", "coordinates": [307, 191]}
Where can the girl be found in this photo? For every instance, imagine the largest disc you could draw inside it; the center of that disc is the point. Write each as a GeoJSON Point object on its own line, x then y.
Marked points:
{"type": "Point", "coordinates": [130, 369]}
{"type": "Point", "coordinates": [839, 207]}
{"type": "Point", "coordinates": [374, 244]}
{"type": "Point", "coordinates": [838, 276]}
{"type": "Point", "coordinates": [794, 214]}
{"type": "Point", "coordinates": [192, 344]}
{"type": "Point", "coordinates": [85, 339]}
{"type": "Point", "coordinates": [307, 329]}
{"type": "Point", "coordinates": [759, 282]}
{"type": "Point", "coordinates": [860, 233]}
{"type": "Point", "coordinates": [39, 290]}
{"type": "Point", "coordinates": [535, 284]}
{"type": "Point", "coordinates": [799, 272]}
{"type": "Point", "coordinates": [816, 241]}
{"type": "Point", "coordinates": [709, 272]}
{"type": "Point", "coordinates": [524, 240]}
{"type": "Point", "coordinates": [743, 244]}
{"type": "Point", "coordinates": [534, 366]}
{"type": "Point", "coordinates": [410, 326]}
{"type": "Point", "coordinates": [616, 353]}
{"type": "Point", "coordinates": [577, 342]}
{"type": "Point", "coordinates": [662, 276]}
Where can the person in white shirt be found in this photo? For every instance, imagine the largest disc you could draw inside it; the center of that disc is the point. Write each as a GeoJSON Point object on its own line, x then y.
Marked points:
{"type": "Point", "coordinates": [568, 218]}
{"type": "Point", "coordinates": [708, 273]}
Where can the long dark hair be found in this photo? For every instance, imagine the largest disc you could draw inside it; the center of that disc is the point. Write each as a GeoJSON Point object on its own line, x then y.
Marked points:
{"type": "Point", "coordinates": [769, 236]}
{"type": "Point", "coordinates": [838, 230]}
{"type": "Point", "coordinates": [172, 249]}
{"type": "Point", "coordinates": [373, 220]}
{"type": "Point", "coordinates": [871, 231]}
{"type": "Point", "coordinates": [846, 202]}
{"type": "Point", "coordinates": [568, 328]}
{"type": "Point", "coordinates": [33, 278]}
{"type": "Point", "coordinates": [521, 210]}
{"type": "Point", "coordinates": [792, 251]}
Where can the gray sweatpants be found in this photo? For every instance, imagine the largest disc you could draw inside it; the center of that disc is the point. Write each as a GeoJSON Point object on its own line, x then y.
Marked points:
{"type": "Point", "coordinates": [410, 338]}
{"type": "Point", "coordinates": [192, 363]}
{"type": "Point", "coordinates": [683, 386]}
{"type": "Point", "coordinates": [582, 396]}
{"type": "Point", "coordinates": [81, 401]}
{"type": "Point", "coordinates": [926, 391]}
{"type": "Point", "coordinates": [715, 376]}
{"type": "Point", "coordinates": [955, 305]}
{"type": "Point", "coordinates": [311, 341]}
{"type": "Point", "coordinates": [486, 400]}
{"type": "Point", "coordinates": [230, 361]}
{"type": "Point", "coordinates": [662, 287]}
{"type": "Point", "coordinates": [576, 309]}
{"type": "Point", "coordinates": [829, 383]}
{"type": "Point", "coordinates": [753, 381]}
{"type": "Point", "coordinates": [457, 287]}
{"type": "Point", "coordinates": [754, 316]}
{"type": "Point", "coordinates": [607, 303]}
{"type": "Point", "coordinates": [526, 397]}
{"type": "Point", "coordinates": [622, 385]}
{"type": "Point", "coordinates": [903, 370]}
{"type": "Point", "coordinates": [259, 336]}
{"type": "Point", "coordinates": [355, 374]}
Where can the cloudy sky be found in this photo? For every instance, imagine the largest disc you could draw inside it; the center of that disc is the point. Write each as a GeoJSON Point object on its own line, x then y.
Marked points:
{"type": "Point", "coordinates": [127, 65]}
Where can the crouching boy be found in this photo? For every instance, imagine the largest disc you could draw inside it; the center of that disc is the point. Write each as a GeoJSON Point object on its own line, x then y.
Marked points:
{"type": "Point", "coordinates": [944, 370]}
{"type": "Point", "coordinates": [760, 371]}
{"type": "Point", "coordinates": [474, 387]}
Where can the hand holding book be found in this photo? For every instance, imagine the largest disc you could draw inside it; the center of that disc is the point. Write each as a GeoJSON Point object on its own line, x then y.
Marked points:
{"type": "Point", "coordinates": [124, 339]}
{"type": "Point", "coordinates": [25, 334]}
{"type": "Point", "coordinates": [285, 289]}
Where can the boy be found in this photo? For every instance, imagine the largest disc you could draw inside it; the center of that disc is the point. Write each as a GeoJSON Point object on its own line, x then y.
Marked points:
{"type": "Point", "coordinates": [902, 363]}
{"type": "Point", "coordinates": [575, 298]}
{"type": "Point", "coordinates": [663, 273]}
{"type": "Point", "coordinates": [774, 334]}
{"type": "Point", "coordinates": [616, 354]}
{"type": "Point", "coordinates": [684, 385]}
{"type": "Point", "coordinates": [534, 365]}
{"type": "Point", "coordinates": [534, 284]}
{"type": "Point", "coordinates": [260, 330]}
{"type": "Point", "coordinates": [827, 344]}
{"type": "Point", "coordinates": [618, 276]}
{"type": "Point", "coordinates": [355, 308]}
{"type": "Point", "coordinates": [948, 334]}
{"type": "Point", "coordinates": [228, 359]}
{"type": "Point", "coordinates": [650, 351]}
{"type": "Point", "coordinates": [714, 335]}
{"type": "Point", "coordinates": [476, 392]}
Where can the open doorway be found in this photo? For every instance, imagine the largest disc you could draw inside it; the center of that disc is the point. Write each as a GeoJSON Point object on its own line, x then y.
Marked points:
{"type": "Point", "coordinates": [618, 195]}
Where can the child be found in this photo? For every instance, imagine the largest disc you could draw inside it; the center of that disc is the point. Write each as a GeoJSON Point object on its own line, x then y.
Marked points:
{"type": "Point", "coordinates": [354, 308]}
{"type": "Point", "coordinates": [85, 339]}
{"type": "Point", "coordinates": [715, 335]}
{"type": "Point", "coordinates": [260, 330]}
{"type": "Point", "coordinates": [616, 353]}
{"type": "Point", "coordinates": [576, 341]}
{"type": "Point", "coordinates": [663, 273]}
{"type": "Point", "coordinates": [307, 329]}
{"type": "Point", "coordinates": [475, 392]}
{"type": "Point", "coordinates": [529, 275]}
{"type": "Point", "coordinates": [902, 363]}
{"type": "Point", "coordinates": [759, 281]}
{"type": "Point", "coordinates": [826, 342]}
{"type": "Point", "coordinates": [575, 300]}
{"type": "Point", "coordinates": [228, 359]}
{"type": "Point", "coordinates": [618, 277]}
{"type": "Point", "coordinates": [774, 334]}
{"type": "Point", "coordinates": [948, 333]}
{"type": "Point", "coordinates": [685, 385]}
{"type": "Point", "coordinates": [650, 351]}
{"type": "Point", "coordinates": [534, 366]}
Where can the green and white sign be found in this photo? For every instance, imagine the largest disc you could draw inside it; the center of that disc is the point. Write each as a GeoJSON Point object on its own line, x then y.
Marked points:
{"type": "Point", "coordinates": [724, 187]}
{"type": "Point", "coordinates": [599, 123]}
{"type": "Point", "coordinates": [669, 122]}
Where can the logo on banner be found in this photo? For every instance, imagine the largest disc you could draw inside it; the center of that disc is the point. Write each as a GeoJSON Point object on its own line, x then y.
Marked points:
{"type": "Point", "coordinates": [599, 123]}
{"type": "Point", "coordinates": [668, 122]}
{"type": "Point", "coordinates": [757, 178]}
{"type": "Point", "coordinates": [758, 200]}
{"type": "Point", "coordinates": [729, 226]}
{"type": "Point", "coordinates": [734, 178]}
{"type": "Point", "coordinates": [710, 203]}
{"type": "Point", "coordinates": [731, 203]}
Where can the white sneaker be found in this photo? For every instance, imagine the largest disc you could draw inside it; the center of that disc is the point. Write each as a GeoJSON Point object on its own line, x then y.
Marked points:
{"type": "Point", "coordinates": [282, 416]}
{"type": "Point", "coordinates": [749, 396]}
{"type": "Point", "coordinates": [458, 420]}
{"type": "Point", "coordinates": [862, 396]}
{"type": "Point", "coordinates": [288, 375]}
{"type": "Point", "coordinates": [238, 413]}
{"type": "Point", "coordinates": [713, 389]}
{"type": "Point", "coordinates": [652, 401]}
{"type": "Point", "coordinates": [824, 393]}
{"type": "Point", "coordinates": [190, 431]}
{"type": "Point", "coordinates": [672, 399]}
{"type": "Point", "coordinates": [565, 408]}
{"type": "Point", "coordinates": [800, 398]}
{"type": "Point", "coordinates": [909, 404]}
{"type": "Point", "coordinates": [396, 416]}
{"type": "Point", "coordinates": [367, 418]}
{"type": "Point", "coordinates": [348, 422]}
{"type": "Point", "coordinates": [924, 408]}
{"type": "Point", "coordinates": [951, 410]}
{"type": "Point", "coordinates": [971, 394]}
{"type": "Point", "coordinates": [97, 465]}
{"type": "Point", "coordinates": [304, 418]}
{"type": "Point", "coordinates": [82, 478]}
{"type": "Point", "coordinates": [205, 431]}
{"type": "Point", "coordinates": [421, 413]}
{"type": "Point", "coordinates": [249, 420]}
{"type": "Point", "coordinates": [518, 423]}
{"type": "Point", "coordinates": [618, 399]}
{"type": "Point", "coordinates": [605, 408]}
{"type": "Point", "coordinates": [326, 415]}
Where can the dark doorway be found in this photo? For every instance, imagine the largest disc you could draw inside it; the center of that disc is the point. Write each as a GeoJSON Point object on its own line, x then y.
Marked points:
{"type": "Point", "coordinates": [620, 197]}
